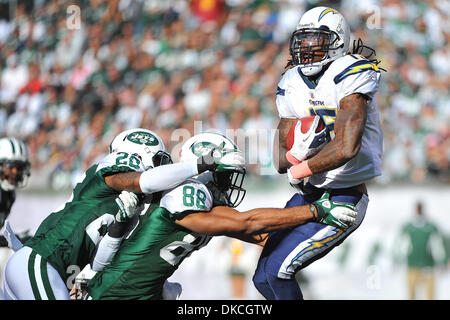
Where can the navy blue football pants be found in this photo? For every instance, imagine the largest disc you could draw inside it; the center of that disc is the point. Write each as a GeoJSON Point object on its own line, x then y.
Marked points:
{"type": "Point", "coordinates": [290, 250]}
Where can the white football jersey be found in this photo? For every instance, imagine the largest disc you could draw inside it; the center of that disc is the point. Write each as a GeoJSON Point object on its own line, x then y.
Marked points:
{"type": "Point", "coordinates": [298, 97]}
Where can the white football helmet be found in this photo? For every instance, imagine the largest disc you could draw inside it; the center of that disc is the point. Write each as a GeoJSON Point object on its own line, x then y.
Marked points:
{"type": "Point", "coordinates": [228, 178]}
{"type": "Point", "coordinates": [322, 33]}
{"type": "Point", "coordinates": [14, 164]}
{"type": "Point", "coordinates": [145, 143]}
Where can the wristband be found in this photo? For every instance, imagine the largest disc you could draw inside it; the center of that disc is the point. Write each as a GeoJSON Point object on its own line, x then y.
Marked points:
{"type": "Point", "coordinates": [300, 170]}
{"type": "Point", "coordinates": [314, 211]}
{"type": "Point", "coordinates": [292, 160]}
{"type": "Point", "coordinates": [291, 179]}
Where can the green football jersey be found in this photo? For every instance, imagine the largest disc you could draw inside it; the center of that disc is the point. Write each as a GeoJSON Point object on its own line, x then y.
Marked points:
{"type": "Point", "coordinates": [155, 248]}
{"type": "Point", "coordinates": [420, 235]}
{"type": "Point", "coordinates": [68, 237]}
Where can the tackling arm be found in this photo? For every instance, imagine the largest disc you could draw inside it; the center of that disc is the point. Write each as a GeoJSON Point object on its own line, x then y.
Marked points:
{"type": "Point", "coordinates": [225, 220]}
{"type": "Point", "coordinates": [153, 180]}
{"type": "Point", "coordinates": [349, 129]}
{"type": "Point", "coordinates": [249, 226]}
{"type": "Point", "coordinates": [109, 245]}
{"type": "Point", "coordinates": [129, 206]}
{"type": "Point", "coordinates": [162, 177]}
{"type": "Point", "coordinates": [230, 222]}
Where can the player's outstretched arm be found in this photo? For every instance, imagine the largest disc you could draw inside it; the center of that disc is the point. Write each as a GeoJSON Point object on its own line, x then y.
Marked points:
{"type": "Point", "coordinates": [349, 129]}
{"type": "Point", "coordinates": [154, 179]}
{"type": "Point", "coordinates": [162, 177]}
{"type": "Point", "coordinates": [230, 222]}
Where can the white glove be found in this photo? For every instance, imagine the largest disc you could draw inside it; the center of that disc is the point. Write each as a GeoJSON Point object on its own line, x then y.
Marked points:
{"type": "Point", "coordinates": [219, 159]}
{"type": "Point", "coordinates": [308, 144]}
{"type": "Point", "coordinates": [78, 291]}
{"type": "Point", "coordinates": [13, 242]}
{"type": "Point", "coordinates": [229, 158]}
{"type": "Point", "coordinates": [85, 275]}
{"type": "Point", "coordinates": [128, 206]}
{"type": "Point", "coordinates": [232, 158]}
{"type": "Point", "coordinates": [297, 184]}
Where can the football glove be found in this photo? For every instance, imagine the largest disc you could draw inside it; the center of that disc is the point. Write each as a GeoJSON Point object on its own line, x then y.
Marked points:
{"type": "Point", "coordinates": [337, 214]}
{"type": "Point", "coordinates": [230, 159]}
{"type": "Point", "coordinates": [297, 184]}
{"type": "Point", "coordinates": [128, 206]}
{"type": "Point", "coordinates": [310, 143]}
{"type": "Point", "coordinates": [78, 291]}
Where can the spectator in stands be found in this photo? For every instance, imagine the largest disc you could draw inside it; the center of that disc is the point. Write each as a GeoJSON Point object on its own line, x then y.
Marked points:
{"type": "Point", "coordinates": [183, 61]}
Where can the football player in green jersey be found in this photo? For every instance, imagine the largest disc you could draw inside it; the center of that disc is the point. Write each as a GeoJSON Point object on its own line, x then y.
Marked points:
{"type": "Point", "coordinates": [66, 240]}
{"type": "Point", "coordinates": [185, 220]}
{"type": "Point", "coordinates": [14, 174]}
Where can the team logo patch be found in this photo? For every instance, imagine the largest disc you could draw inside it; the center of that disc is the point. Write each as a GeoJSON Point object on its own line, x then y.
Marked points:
{"type": "Point", "coordinates": [141, 137]}
{"type": "Point", "coordinates": [202, 148]}
{"type": "Point", "coordinates": [324, 12]}
{"type": "Point", "coordinates": [327, 204]}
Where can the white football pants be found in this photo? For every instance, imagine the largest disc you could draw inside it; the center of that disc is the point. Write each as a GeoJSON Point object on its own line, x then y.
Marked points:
{"type": "Point", "coordinates": [5, 253]}
{"type": "Point", "coordinates": [29, 277]}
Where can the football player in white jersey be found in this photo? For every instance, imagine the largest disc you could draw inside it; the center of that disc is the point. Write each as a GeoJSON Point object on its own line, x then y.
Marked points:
{"type": "Point", "coordinates": [326, 80]}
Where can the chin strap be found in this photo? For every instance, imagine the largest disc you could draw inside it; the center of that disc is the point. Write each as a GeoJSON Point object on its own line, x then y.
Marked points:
{"type": "Point", "coordinates": [311, 70]}
{"type": "Point", "coordinates": [219, 198]}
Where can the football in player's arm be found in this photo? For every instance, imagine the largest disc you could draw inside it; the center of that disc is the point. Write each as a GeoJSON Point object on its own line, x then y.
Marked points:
{"type": "Point", "coordinates": [184, 221]}
{"type": "Point", "coordinates": [66, 240]}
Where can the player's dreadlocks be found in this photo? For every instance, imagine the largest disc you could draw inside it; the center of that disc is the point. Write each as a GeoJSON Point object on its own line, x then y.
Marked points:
{"type": "Point", "coordinates": [367, 52]}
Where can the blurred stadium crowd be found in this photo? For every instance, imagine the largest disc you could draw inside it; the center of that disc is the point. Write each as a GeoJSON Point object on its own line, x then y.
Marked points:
{"type": "Point", "coordinates": [67, 89]}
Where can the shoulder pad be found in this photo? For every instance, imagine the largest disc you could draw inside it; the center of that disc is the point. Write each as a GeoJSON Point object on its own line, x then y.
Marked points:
{"type": "Point", "coordinates": [352, 64]}
{"type": "Point", "coordinates": [288, 76]}
{"type": "Point", "coordinates": [119, 162]}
